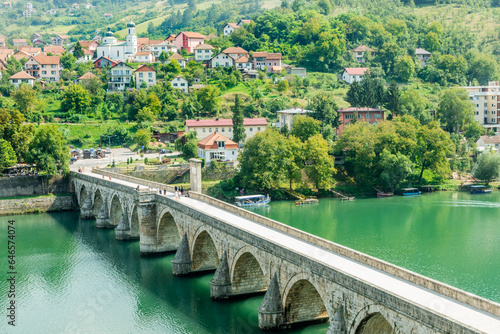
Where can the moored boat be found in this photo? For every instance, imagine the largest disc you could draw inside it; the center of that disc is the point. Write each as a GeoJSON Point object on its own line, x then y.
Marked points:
{"type": "Point", "coordinates": [411, 192]}
{"type": "Point", "coordinates": [382, 194]}
{"type": "Point", "coordinates": [252, 200]}
{"type": "Point", "coordinates": [479, 190]}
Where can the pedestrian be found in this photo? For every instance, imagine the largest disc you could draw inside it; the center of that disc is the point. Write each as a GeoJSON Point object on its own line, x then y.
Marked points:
{"type": "Point", "coordinates": [182, 190]}
{"type": "Point", "coordinates": [83, 169]}
{"type": "Point", "coordinates": [103, 176]}
{"type": "Point", "coordinates": [164, 191]}
{"type": "Point", "coordinates": [110, 177]}
{"type": "Point", "coordinates": [175, 192]}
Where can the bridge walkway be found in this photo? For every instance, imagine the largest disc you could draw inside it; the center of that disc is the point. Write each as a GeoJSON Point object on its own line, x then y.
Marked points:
{"type": "Point", "coordinates": [459, 312]}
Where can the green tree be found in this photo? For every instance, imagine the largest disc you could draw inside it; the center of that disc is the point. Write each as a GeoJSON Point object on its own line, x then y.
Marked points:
{"type": "Point", "coordinates": [292, 156]}
{"type": "Point", "coordinates": [76, 99]}
{"type": "Point", "coordinates": [431, 42]}
{"type": "Point", "coordinates": [488, 166]}
{"type": "Point", "coordinates": [283, 86]}
{"type": "Point", "coordinates": [68, 61]}
{"type": "Point", "coordinates": [142, 137]}
{"type": "Point", "coordinates": [393, 99]}
{"type": "Point", "coordinates": [15, 131]}
{"type": "Point", "coordinates": [239, 134]}
{"type": "Point", "coordinates": [190, 150]}
{"type": "Point", "coordinates": [404, 68]}
{"type": "Point", "coordinates": [483, 68]}
{"type": "Point", "coordinates": [354, 95]}
{"type": "Point", "coordinates": [209, 99]}
{"type": "Point", "coordinates": [325, 109]}
{"type": "Point", "coordinates": [172, 67]}
{"type": "Point", "coordinates": [78, 51]}
{"type": "Point", "coordinates": [304, 127]}
{"type": "Point", "coordinates": [320, 167]}
{"type": "Point", "coordinates": [7, 155]}
{"type": "Point", "coordinates": [472, 131]}
{"type": "Point", "coordinates": [145, 116]}
{"type": "Point", "coordinates": [163, 57]}
{"type": "Point", "coordinates": [325, 6]}
{"type": "Point", "coordinates": [455, 109]}
{"type": "Point", "coordinates": [49, 150]}
{"type": "Point", "coordinates": [414, 104]}
{"type": "Point", "coordinates": [396, 168]}
{"type": "Point", "coordinates": [25, 99]}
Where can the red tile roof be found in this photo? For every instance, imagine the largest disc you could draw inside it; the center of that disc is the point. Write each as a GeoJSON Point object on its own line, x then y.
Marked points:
{"type": "Point", "coordinates": [233, 25]}
{"type": "Point", "coordinates": [191, 34]}
{"type": "Point", "coordinates": [267, 55]}
{"type": "Point", "coordinates": [363, 109]}
{"type": "Point", "coordinates": [22, 75]}
{"type": "Point", "coordinates": [224, 122]}
{"type": "Point", "coordinates": [210, 142]}
{"type": "Point", "coordinates": [491, 140]}
{"type": "Point", "coordinates": [176, 56]}
{"type": "Point", "coordinates": [204, 47]}
{"type": "Point", "coordinates": [236, 50]}
{"type": "Point", "coordinates": [356, 70]}
{"type": "Point", "coordinates": [145, 68]}
{"type": "Point", "coordinates": [47, 60]}
{"type": "Point", "coordinates": [88, 76]}
{"type": "Point", "coordinates": [362, 48]}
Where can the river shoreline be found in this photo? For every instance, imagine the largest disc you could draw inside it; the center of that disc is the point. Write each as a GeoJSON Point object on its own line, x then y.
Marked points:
{"type": "Point", "coordinates": [36, 204]}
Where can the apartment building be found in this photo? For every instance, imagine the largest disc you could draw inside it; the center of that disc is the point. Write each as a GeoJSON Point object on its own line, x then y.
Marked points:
{"type": "Point", "coordinates": [486, 101]}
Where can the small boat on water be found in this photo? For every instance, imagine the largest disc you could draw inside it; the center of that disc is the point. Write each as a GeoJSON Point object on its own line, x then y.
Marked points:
{"type": "Point", "coordinates": [252, 200]}
{"type": "Point", "coordinates": [309, 200]}
{"type": "Point", "coordinates": [381, 194]}
{"type": "Point", "coordinates": [411, 192]}
{"type": "Point", "coordinates": [479, 190]}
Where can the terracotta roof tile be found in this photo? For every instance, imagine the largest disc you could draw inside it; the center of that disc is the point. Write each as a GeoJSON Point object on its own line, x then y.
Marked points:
{"type": "Point", "coordinates": [356, 70]}
{"type": "Point", "coordinates": [362, 48]}
{"type": "Point", "coordinates": [236, 50]}
{"type": "Point", "coordinates": [22, 75]}
{"type": "Point", "coordinates": [192, 34]}
{"type": "Point", "coordinates": [210, 142]}
{"type": "Point", "coordinates": [145, 68]}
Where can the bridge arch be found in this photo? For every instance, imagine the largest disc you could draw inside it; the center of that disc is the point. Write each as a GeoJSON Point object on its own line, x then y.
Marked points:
{"type": "Point", "coordinates": [98, 202]}
{"type": "Point", "coordinates": [247, 274]}
{"type": "Point", "coordinates": [303, 302]}
{"type": "Point", "coordinates": [371, 319]}
{"type": "Point", "coordinates": [204, 253]}
{"type": "Point", "coordinates": [134, 222]}
{"type": "Point", "coordinates": [83, 195]}
{"type": "Point", "coordinates": [167, 235]}
{"type": "Point", "coordinates": [115, 210]}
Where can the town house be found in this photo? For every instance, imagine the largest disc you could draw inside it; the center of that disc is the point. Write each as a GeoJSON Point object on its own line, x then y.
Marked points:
{"type": "Point", "coordinates": [46, 68]}
{"type": "Point", "coordinates": [236, 52]}
{"type": "Point", "coordinates": [121, 75]}
{"type": "Point", "coordinates": [423, 56]}
{"type": "Point", "coordinates": [188, 40]}
{"type": "Point", "coordinates": [359, 52]}
{"type": "Point", "coordinates": [370, 115]}
{"type": "Point", "coordinates": [222, 60]}
{"type": "Point", "coordinates": [203, 52]}
{"type": "Point", "coordinates": [351, 74]}
{"type": "Point", "coordinates": [229, 28]}
{"type": "Point", "coordinates": [271, 61]}
{"type": "Point", "coordinates": [218, 148]}
{"type": "Point", "coordinates": [206, 127]}
{"type": "Point", "coordinates": [157, 49]}
{"type": "Point", "coordinates": [20, 78]}
{"type": "Point", "coordinates": [145, 74]}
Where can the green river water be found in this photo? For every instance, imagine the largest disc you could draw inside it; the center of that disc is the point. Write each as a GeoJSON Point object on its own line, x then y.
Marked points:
{"type": "Point", "coordinates": [74, 278]}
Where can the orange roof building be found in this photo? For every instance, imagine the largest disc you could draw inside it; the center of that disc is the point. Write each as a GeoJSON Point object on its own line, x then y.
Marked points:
{"type": "Point", "coordinates": [217, 147]}
{"type": "Point", "coordinates": [20, 78]}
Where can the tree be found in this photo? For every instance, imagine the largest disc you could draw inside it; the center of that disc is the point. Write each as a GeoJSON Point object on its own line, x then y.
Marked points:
{"type": "Point", "coordinates": [15, 131]}
{"type": "Point", "coordinates": [395, 169]}
{"type": "Point", "coordinates": [472, 131]}
{"type": "Point", "coordinates": [404, 68]}
{"type": "Point", "coordinates": [393, 99]}
{"type": "Point", "coordinates": [49, 150]}
{"type": "Point", "coordinates": [7, 155]}
{"type": "Point", "coordinates": [431, 42]}
{"type": "Point", "coordinates": [25, 98]}
{"type": "Point", "coordinates": [68, 61]}
{"type": "Point", "coordinates": [321, 167]}
{"type": "Point", "coordinates": [354, 94]}
{"type": "Point", "coordinates": [172, 67]}
{"type": "Point", "coordinates": [190, 150]}
{"type": "Point", "coordinates": [142, 137]}
{"type": "Point", "coordinates": [292, 157]}
{"type": "Point", "coordinates": [76, 99]}
{"type": "Point", "coordinates": [163, 57]}
{"type": "Point", "coordinates": [239, 134]}
{"type": "Point", "coordinates": [283, 86]}
{"type": "Point", "coordinates": [145, 116]}
{"type": "Point", "coordinates": [488, 166]}
{"type": "Point", "coordinates": [455, 109]}
{"type": "Point", "coordinates": [483, 68]}
{"type": "Point", "coordinates": [209, 99]}
{"type": "Point", "coordinates": [78, 51]}
{"type": "Point", "coordinates": [414, 104]}
{"type": "Point", "coordinates": [325, 109]}
{"type": "Point", "coordinates": [304, 127]}
{"type": "Point", "coordinates": [325, 6]}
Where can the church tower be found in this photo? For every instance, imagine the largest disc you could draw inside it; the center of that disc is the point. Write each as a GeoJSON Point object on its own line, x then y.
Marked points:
{"type": "Point", "coordinates": [131, 44]}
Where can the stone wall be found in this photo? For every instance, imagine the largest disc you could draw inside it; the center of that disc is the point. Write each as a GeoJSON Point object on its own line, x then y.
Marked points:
{"type": "Point", "coordinates": [33, 185]}
{"type": "Point", "coordinates": [36, 205]}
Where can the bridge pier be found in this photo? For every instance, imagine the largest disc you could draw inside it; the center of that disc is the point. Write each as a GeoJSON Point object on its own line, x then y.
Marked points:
{"type": "Point", "coordinates": [102, 220]}
{"type": "Point", "coordinates": [181, 264]}
{"type": "Point", "coordinates": [271, 309]}
{"type": "Point", "coordinates": [220, 285]}
{"type": "Point", "coordinates": [123, 228]}
{"type": "Point", "coordinates": [86, 209]}
{"type": "Point", "coordinates": [338, 323]}
{"type": "Point", "coordinates": [148, 229]}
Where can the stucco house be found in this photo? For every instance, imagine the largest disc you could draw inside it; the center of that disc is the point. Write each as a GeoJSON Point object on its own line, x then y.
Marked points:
{"type": "Point", "coordinates": [179, 82]}
{"type": "Point", "coordinates": [19, 41]}
{"type": "Point", "coordinates": [87, 77]}
{"type": "Point", "coordinates": [188, 40]}
{"type": "Point", "coordinates": [20, 78]}
{"type": "Point", "coordinates": [351, 74]}
{"type": "Point", "coordinates": [180, 59]}
{"type": "Point", "coordinates": [103, 62]}
{"type": "Point", "coordinates": [370, 115]}
{"type": "Point", "coordinates": [121, 75]}
{"type": "Point", "coordinates": [243, 63]}
{"type": "Point", "coordinates": [145, 74]}
{"type": "Point", "coordinates": [359, 52]}
{"type": "Point", "coordinates": [56, 50]}
{"type": "Point", "coordinates": [486, 143]}
{"type": "Point", "coordinates": [236, 52]}
{"type": "Point", "coordinates": [205, 127]}
{"type": "Point", "coordinates": [157, 49]}
{"type": "Point", "coordinates": [143, 57]}
{"type": "Point", "coordinates": [221, 60]}
{"type": "Point", "coordinates": [59, 39]}
{"type": "Point", "coordinates": [46, 68]}
{"type": "Point", "coordinates": [423, 56]}
{"type": "Point", "coordinates": [203, 52]}
{"type": "Point", "coordinates": [262, 60]}
{"type": "Point", "coordinates": [217, 147]}
{"type": "Point", "coordinates": [229, 28]}
{"type": "Point", "coordinates": [286, 116]}
{"type": "Point", "coordinates": [243, 21]}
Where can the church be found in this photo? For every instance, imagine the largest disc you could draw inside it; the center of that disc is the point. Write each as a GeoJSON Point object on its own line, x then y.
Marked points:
{"type": "Point", "coordinates": [118, 50]}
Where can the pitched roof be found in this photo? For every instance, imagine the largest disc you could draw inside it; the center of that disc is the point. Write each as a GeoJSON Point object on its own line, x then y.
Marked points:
{"type": "Point", "coordinates": [233, 25]}
{"type": "Point", "coordinates": [211, 36]}
{"type": "Point", "coordinates": [363, 109]}
{"type": "Point", "coordinates": [86, 44]}
{"type": "Point", "coordinates": [204, 47]}
{"type": "Point", "coordinates": [29, 49]}
{"type": "Point", "coordinates": [21, 54]}
{"type": "Point", "coordinates": [47, 60]}
{"type": "Point", "coordinates": [146, 53]}
{"type": "Point", "coordinates": [210, 142]}
{"type": "Point", "coordinates": [55, 49]}
{"type": "Point", "coordinates": [237, 50]}
{"type": "Point", "coordinates": [88, 76]}
{"type": "Point", "coordinates": [490, 140]}
{"type": "Point", "coordinates": [121, 63]}
{"type": "Point", "coordinates": [191, 34]}
{"type": "Point", "coordinates": [22, 75]}
{"type": "Point", "coordinates": [362, 48]}
{"type": "Point", "coordinates": [224, 122]}
{"type": "Point", "coordinates": [420, 51]}
{"type": "Point", "coordinates": [356, 70]}
{"type": "Point", "coordinates": [145, 68]}
{"type": "Point", "coordinates": [109, 59]}
{"type": "Point", "coordinates": [243, 60]}
{"type": "Point", "coordinates": [176, 56]}
{"type": "Point", "coordinates": [245, 21]}
{"type": "Point", "coordinates": [267, 55]}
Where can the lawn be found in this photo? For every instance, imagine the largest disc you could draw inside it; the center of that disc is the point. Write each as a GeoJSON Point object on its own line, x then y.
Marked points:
{"type": "Point", "coordinates": [87, 135]}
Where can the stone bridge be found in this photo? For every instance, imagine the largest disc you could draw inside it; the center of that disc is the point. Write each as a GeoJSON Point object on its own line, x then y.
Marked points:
{"type": "Point", "coordinates": [304, 278]}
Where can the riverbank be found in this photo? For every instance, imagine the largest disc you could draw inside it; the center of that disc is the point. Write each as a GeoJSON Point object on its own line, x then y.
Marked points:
{"type": "Point", "coordinates": [35, 204]}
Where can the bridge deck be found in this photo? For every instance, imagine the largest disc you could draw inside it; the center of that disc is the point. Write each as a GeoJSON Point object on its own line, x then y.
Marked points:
{"type": "Point", "coordinates": [452, 309]}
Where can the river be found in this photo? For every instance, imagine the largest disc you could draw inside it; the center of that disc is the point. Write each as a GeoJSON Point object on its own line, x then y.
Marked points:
{"type": "Point", "coordinates": [74, 278]}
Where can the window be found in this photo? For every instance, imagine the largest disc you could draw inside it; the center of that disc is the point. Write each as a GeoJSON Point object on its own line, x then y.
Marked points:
{"type": "Point", "coordinates": [349, 116]}
{"type": "Point", "coordinates": [53, 66]}
{"type": "Point", "coordinates": [150, 75]}
{"type": "Point", "coordinates": [209, 130]}
{"type": "Point", "coordinates": [175, 85]}
{"type": "Point", "coordinates": [477, 105]}
{"type": "Point", "coordinates": [53, 72]}
{"type": "Point", "coordinates": [258, 128]}
{"type": "Point", "coordinates": [221, 144]}
{"type": "Point", "coordinates": [140, 75]}
{"type": "Point", "coordinates": [368, 116]}
{"type": "Point", "coordinates": [223, 129]}
{"type": "Point", "coordinates": [203, 130]}
{"type": "Point", "coordinates": [183, 84]}
{"type": "Point", "coordinates": [44, 66]}
{"type": "Point", "coordinates": [118, 53]}
{"type": "Point", "coordinates": [229, 129]}
{"type": "Point", "coordinates": [44, 72]}
{"type": "Point", "coordinates": [251, 129]}
{"type": "Point", "coordinates": [216, 129]}
{"type": "Point", "coordinates": [377, 116]}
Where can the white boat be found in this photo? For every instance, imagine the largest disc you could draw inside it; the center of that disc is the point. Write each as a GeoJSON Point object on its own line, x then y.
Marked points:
{"type": "Point", "coordinates": [252, 200]}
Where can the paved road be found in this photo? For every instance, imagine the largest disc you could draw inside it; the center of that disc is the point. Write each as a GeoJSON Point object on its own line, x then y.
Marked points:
{"type": "Point", "coordinates": [461, 313]}
{"type": "Point", "coordinates": [117, 154]}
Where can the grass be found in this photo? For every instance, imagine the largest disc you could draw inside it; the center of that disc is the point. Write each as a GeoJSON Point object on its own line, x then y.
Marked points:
{"type": "Point", "coordinates": [89, 133]}
{"type": "Point", "coordinates": [34, 196]}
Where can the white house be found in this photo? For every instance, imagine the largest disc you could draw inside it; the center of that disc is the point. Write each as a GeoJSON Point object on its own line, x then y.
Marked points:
{"type": "Point", "coordinates": [229, 28]}
{"type": "Point", "coordinates": [121, 75]}
{"type": "Point", "coordinates": [244, 63]}
{"type": "Point", "coordinates": [203, 52]}
{"type": "Point", "coordinates": [352, 74]}
{"type": "Point", "coordinates": [243, 21]}
{"type": "Point", "coordinates": [205, 127]}
{"type": "Point", "coordinates": [222, 60]}
{"type": "Point", "coordinates": [236, 52]}
{"type": "Point", "coordinates": [485, 143]}
{"type": "Point", "coordinates": [180, 59]}
{"type": "Point", "coordinates": [423, 56]}
{"type": "Point", "coordinates": [181, 83]}
{"type": "Point", "coordinates": [118, 50]}
{"type": "Point", "coordinates": [217, 147]}
{"type": "Point", "coordinates": [285, 117]}
{"type": "Point", "coordinates": [145, 74]}
{"type": "Point", "coordinates": [157, 49]}
{"type": "Point", "coordinates": [20, 78]}
{"type": "Point", "coordinates": [143, 57]}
